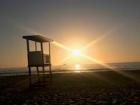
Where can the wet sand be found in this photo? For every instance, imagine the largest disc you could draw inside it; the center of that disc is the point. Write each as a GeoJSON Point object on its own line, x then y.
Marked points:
{"type": "Point", "coordinates": [93, 88]}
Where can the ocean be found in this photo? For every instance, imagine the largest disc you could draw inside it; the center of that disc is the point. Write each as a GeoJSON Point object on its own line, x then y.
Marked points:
{"type": "Point", "coordinates": [73, 68]}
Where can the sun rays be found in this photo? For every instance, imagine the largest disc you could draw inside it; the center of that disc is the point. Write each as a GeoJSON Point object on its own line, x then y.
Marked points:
{"type": "Point", "coordinates": [62, 46]}
{"type": "Point", "coordinates": [79, 52]}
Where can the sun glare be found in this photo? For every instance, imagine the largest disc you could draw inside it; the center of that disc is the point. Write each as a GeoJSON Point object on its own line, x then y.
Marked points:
{"type": "Point", "coordinates": [76, 52]}
{"type": "Point", "coordinates": [77, 68]}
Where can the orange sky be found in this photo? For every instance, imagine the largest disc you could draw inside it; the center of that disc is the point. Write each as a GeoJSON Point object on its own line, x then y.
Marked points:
{"type": "Point", "coordinates": [113, 25]}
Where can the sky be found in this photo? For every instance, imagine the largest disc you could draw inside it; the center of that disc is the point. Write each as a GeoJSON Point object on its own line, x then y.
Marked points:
{"type": "Point", "coordinates": [113, 24]}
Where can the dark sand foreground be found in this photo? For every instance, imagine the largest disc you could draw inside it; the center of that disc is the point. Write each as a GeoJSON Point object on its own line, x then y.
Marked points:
{"type": "Point", "coordinates": [94, 88]}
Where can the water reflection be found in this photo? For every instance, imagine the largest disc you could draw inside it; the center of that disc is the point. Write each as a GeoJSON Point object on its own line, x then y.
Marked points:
{"type": "Point", "coordinates": [77, 68]}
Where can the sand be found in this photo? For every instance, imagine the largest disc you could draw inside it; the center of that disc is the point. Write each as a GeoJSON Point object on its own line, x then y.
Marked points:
{"type": "Point", "coordinates": [94, 88]}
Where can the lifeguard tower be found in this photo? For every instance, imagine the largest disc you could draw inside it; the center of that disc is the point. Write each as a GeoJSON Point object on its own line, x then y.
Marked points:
{"type": "Point", "coordinates": [37, 58]}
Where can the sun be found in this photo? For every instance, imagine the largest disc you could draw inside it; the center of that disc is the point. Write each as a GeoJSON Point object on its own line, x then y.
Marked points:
{"type": "Point", "coordinates": [76, 52]}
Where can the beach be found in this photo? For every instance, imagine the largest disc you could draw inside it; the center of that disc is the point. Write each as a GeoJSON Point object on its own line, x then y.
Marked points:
{"type": "Point", "coordinates": [70, 52]}
{"type": "Point", "coordinates": [85, 88]}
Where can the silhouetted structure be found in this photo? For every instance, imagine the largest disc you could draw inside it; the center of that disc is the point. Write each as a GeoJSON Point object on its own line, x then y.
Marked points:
{"type": "Point", "coordinates": [37, 58]}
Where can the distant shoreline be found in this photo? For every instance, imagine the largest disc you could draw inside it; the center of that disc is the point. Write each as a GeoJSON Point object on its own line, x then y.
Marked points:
{"type": "Point", "coordinates": [62, 72]}
{"type": "Point", "coordinates": [70, 68]}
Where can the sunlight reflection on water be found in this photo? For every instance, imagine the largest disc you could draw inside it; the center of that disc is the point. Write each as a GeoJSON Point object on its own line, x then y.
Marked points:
{"type": "Point", "coordinates": [77, 68]}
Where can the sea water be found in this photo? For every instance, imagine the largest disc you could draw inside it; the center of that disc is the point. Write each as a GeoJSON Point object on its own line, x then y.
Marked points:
{"type": "Point", "coordinates": [72, 68]}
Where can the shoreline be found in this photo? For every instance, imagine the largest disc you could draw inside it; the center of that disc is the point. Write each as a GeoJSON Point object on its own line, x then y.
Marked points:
{"type": "Point", "coordinates": [25, 73]}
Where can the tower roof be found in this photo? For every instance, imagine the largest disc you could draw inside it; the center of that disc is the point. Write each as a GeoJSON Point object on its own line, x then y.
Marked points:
{"type": "Point", "coordinates": [37, 38]}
